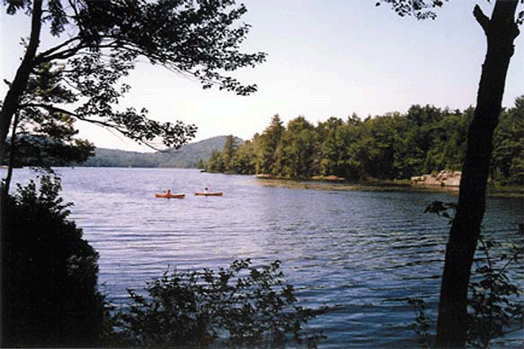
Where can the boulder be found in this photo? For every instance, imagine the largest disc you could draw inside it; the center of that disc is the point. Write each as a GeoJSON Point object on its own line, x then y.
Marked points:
{"type": "Point", "coordinates": [442, 179]}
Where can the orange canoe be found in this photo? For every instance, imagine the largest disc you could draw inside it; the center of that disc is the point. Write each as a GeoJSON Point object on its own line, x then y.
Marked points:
{"type": "Point", "coordinates": [209, 194]}
{"type": "Point", "coordinates": [170, 196]}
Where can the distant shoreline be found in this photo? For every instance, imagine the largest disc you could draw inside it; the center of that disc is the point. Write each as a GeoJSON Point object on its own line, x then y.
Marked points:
{"type": "Point", "coordinates": [378, 185]}
{"type": "Point", "coordinates": [340, 184]}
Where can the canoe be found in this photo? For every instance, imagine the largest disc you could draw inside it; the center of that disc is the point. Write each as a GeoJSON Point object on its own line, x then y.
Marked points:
{"type": "Point", "coordinates": [209, 194]}
{"type": "Point", "coordinates": [170, 196]}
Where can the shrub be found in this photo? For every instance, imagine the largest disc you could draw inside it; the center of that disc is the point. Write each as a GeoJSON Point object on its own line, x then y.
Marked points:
{"type": "Point", "coordinates": [241, 306]}
{"type": "Point", "coordinates": [50, 273]}
{"type": "Point", "coordinates": [494, 308]}
{"type": "Point", "coordinates": [493, 298]}
{"type": "Point", "coordinates": [422, 325]}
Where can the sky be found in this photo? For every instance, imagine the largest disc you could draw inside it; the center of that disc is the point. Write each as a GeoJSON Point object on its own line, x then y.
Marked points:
{"type": "Point", "coordinates": [324, 58]}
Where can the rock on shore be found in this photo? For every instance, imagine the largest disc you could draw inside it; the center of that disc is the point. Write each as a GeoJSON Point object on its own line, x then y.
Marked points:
{"type": "Point", "coordinates": [441, 179]}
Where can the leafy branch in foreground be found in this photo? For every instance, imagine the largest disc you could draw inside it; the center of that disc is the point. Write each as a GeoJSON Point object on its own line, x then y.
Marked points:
{"type": "Point", "coordinates": [494, 308]}
{"type": "Point", "coordinates": [241, 306]}
{"type": "Point", "coordinates": [422, 324]}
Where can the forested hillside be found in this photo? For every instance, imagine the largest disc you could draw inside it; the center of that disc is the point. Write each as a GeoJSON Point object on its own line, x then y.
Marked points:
{"type": "Point", "coordinates": [188, 156]}
{"type": "Point", "coordinates": [393, 146]}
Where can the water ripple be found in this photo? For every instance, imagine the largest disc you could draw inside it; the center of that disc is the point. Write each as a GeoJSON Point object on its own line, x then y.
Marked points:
{"type": "Point", "coordinates": [365, 252]}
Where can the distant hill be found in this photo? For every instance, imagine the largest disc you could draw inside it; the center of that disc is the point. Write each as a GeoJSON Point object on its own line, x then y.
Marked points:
{"type": "Point", "coordinates": [187, 156]}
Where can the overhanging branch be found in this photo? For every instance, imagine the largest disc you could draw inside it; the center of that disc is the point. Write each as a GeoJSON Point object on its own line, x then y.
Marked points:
{"type": "Point", "coordinates": [107, 125]}
{"type": "Point", "coordinates": [56, 48]}
{"type": "Point", "coordinates": [53, 109]}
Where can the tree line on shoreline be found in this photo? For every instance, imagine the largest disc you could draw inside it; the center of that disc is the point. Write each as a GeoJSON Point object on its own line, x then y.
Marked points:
{"type": "Point", "coordinates": [392, 146]}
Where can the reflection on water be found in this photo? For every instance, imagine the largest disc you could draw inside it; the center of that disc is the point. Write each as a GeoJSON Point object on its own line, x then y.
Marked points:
{"type": "Point", "coordinates": [366, 252]}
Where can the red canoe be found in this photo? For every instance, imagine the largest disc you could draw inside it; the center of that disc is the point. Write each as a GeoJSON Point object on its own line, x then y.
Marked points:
{"type": "Point", "coordinates": [170, 196]}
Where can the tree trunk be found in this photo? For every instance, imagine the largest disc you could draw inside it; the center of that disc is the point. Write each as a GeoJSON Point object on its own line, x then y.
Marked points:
{"type": "Point", "coordinates": [10, 103]}
{"type": "Point", "coordinates": [9, 108]}
{"type": "Point", "coordinates": [500, 30]}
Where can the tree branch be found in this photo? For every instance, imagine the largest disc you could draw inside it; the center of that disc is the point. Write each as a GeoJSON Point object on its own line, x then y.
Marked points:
{"type": "Point", "coordinates": [107, 125]}
{"type": "Point", "coordinates": [19, 83]}
{"type": "Point", "coordinates": [54, 109]}
{"type": "Point", "coordinates": [59, 55]}
{"type": "Point", "coordinates": [48, 107]}
{"type": "Point", "coordinates": [52, 53]}
{"type": "Point", "coordinates": [58, 47]}
{"type": "Point", "coordinates": [481, 18]}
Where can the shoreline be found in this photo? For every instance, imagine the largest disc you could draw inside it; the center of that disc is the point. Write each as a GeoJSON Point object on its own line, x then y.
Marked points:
{"type": "Point", "coordinates": [377, 185]}
{"type": "Point", "coordinates": [340, 184]}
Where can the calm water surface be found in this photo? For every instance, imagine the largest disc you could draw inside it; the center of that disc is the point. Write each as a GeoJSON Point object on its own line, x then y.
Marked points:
{"type": "Point", "coordinates": [366, 252]}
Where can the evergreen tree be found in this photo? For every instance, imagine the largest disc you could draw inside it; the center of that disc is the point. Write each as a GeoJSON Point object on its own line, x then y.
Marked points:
{"type": "Point", "coordinates": [267, 154]}
{"type": "Point", "coordinates": [244, 161]}
{"type": "Point", "coordinates": [508, 146]}
{"type": "Point", "coordinates": [299, 146]}
{"type": "Point", "coordinates": [230, 149]}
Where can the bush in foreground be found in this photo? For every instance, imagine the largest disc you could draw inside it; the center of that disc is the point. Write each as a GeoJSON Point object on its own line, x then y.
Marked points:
{"type": "Point", "coordinates": [238, 306]}
{"type": "Point", "coordinates": [50, 298]}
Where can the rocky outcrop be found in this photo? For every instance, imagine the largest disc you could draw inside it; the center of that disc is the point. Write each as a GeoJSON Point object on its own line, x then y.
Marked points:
{"type": "Point", "coordinates": [440, 179]}
{"type": "Point", "coordinates": [330, 178]}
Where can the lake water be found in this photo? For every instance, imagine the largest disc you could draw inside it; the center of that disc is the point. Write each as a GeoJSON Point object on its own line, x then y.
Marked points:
{"type": "Point", "coordinates": [365, 251]}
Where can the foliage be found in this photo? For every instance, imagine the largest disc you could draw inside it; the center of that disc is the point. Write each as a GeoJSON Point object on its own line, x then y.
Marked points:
{"type": "Point", "coordinates": [421, 9]}
{"type": "Point", "coordinates": [230, 148]}
{"type": "Point", "coordinates": [46, 139]}
{"type": "Point", "coordinates": [298, 148]}
{"type": "Point", "coordinates": [98, 43]}
{"type": "Point", "coordinates": [228, 160]}
{"type": "Point", "coordinates": [508, 154]}
{"type": "Point", "coordinates": [242, 305]}
{"type": "Point", "coordinates": [441, 208]}
{"type": "Point", "coordinates": [244, 159]}
{"type": "Point", "coordinates": [49, 293]}
{"type": "Point", "coordinates": [425, 139]}
{"type": "Point", "coordinates": [268, 150]}
{"type": "Point", "coordinates": [423, 323]}
{"type": "Point", "coordinates": [494, 308]}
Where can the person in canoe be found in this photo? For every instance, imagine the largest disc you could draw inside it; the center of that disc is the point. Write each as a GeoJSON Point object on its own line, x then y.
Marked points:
{"type": "Point", "coordinates": [208, 192]}
{"type": "Point", "coordinates": [168, 195]}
